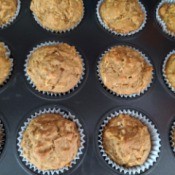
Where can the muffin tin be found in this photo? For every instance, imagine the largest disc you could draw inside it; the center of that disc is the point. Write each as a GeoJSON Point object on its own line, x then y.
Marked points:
{"type": "Point", "coordinates": [90, 101]}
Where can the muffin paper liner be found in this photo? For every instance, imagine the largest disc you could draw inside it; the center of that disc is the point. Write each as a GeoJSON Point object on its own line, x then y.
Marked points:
{"type": "Point", "coordinates": [124, 95]}
{"type": "Point", "coordinates": [62, 31]}
{"type": "Point", "coordinates": [115, 32]}
{"type": "Point", "coordinates": [8, 53]}
{"type": "Point", "coordinates": [160, 21]}
{"type": "Point", "coordinates": [2, 139]}
{"type": "Point", "coordinates": [53, 110]}
{"type": "Point", "coordinates": [14, 17]}
{"type": "Point", "coordinates": [155, 139]}
{"type": "Point", "coordinates": [51, 93]}
{"type": "Point", "coordinates": [172, 141]}
{"type": "Point", "coordinates": [164, 73]}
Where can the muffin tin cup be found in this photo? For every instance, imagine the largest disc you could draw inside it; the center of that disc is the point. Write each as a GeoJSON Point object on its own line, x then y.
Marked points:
{"type": "Point", "coordinates": [50, 43]}
{"type": "Point", "coordinates": [164, 73]}
{"type": "Point", "coordinates": [123, 95]}
{"type": "Point", "coordinates": [155, 139]}
{"type": "Point", "coordinates": [160, 21]}
{"type": "Point", "coordinates": [62, 31]}
{"type": "Point", "coordinates": [67, 115]}
{"type": "Point", "coordinates": [14, 17]}
{"type": "Point", "coordinates": [115, 32]}
{"type": "Point", "coordinates": [2, 137]}
{"type": "Point", "coordinates": [8, 53]}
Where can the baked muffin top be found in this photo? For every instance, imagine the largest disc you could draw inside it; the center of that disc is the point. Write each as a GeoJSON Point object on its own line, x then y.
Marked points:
{"type": "Point", "coordinates": [58, 15]}
{"type": "Point", "coordinates": [122, 16]}
{"type": "Point", "coordinates": [5, 64]}
{"type": "Point", "coordinates": [170, 70]}
{"type": "Point", "coordinates": [56, 68]}
{"type": "Point", "coordinates": [167, 14]}
{"type": "Point", "coordinates": [50, 142]}
{"type": "Point", "coordinates": [7, 10]}
{"type": "Point", "coordinates": [126, 141]}
{"type": "Point", "coordinates": [124, 71]}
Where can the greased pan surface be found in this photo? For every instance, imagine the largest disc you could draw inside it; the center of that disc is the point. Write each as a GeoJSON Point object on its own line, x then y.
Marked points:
{"type": "Point", "coordinates": [90, 102]}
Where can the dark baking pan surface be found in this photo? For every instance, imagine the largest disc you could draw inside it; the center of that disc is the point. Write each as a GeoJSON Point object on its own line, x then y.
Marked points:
{"type": "Point", "coordinates": [90, 101]}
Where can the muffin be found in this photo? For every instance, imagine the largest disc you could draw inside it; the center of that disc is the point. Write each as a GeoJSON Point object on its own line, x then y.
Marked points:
{"type": "Point", "coordinates": [126, 141]}
{"type": "Point", "coordinates": [122, 16]}
{"type": "Point", "coordinates": [50, 142]}
{"type": "Point", "coordinates": [5, 64]}
{"type": "Point", "coordinates": [58, 15]}
{"type": "Point", "coordinates": [167, 15]}
{"type": "Point", "coordinates": [173, 138]}
{"type": "Point", "coordinates": [8, 10]}
{"type": "Point", "coordinates": [55, 68]}
{"type": "Point", "coordinates": [170, 70]}
{"type": "Point", "coordinates": [124, 71]}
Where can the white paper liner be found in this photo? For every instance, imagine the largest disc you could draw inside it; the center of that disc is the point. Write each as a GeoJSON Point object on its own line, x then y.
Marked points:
{"type": "Point", "coordinates": [115, 32]}
{"type": "Point", "coordinates": [160, 21]}
{"type": "Point", "coordinates": [60, 31]}
{"type": "Point", "coordinates": [172, 141]}
{"type": "Point", "coordinates": [164, 73]}
{"type": "Point", "coordinates": [124, 95]}
{"type": "Point", "coordinates": [2, 138]}
{"type": "Point", "coordinates": [14, 17]}
{"type": "Point", "coordinates": [67, 116]}
{"type": "Point", "coordinates": [8, 53]}
{"type": "Point", "coordinates": [155, 139]}
{"type": "Point", "coordinates": [50, 43]}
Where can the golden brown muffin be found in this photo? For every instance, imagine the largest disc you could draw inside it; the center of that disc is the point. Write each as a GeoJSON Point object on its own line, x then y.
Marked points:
{"type": "Point", "coordinates": [173, 137]}
{"type": "Point", "coordinates": [126, 141]}
{"type": "Point", "coordinates": [50, 142]}
{"type": "Point", "coordinates": [170, 70]}
{"type": "Point", "coordinates": [7, 10]}
{"type": "Point", "coordinates": [122, 16]}
{"type": "Point", "coordinates": [124, 71]}
{"type": "Point", "coordinates": [5, 64]}
{"type": "Point", "coordinates": [56, 69]}
{"type": "Point", "coordinates": [58, 15]}
{"type": "Point", "coordinates": [167, 14]}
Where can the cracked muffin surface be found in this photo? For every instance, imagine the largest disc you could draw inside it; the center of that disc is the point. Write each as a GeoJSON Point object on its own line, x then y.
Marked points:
{"type": "Point", "coordinates": [58, 15]}
{"type": "Point", "coordinates": [170, 70]}
{"type": "Point", "coordinates": [167, 14]}
{"type": "Point", "coordinates": [5, 64]}
{"type": "Point", "coordinates": [7, 10]}
{"type": "Point", "coordinates": [124, 71]}
{"type": "Point", "coordinates": [50, 142]}
{"type": "Point", "coordinates": [122, 16]}
{"type": "Point", "coordinates": [56, 68]}
{"type": "Point", "coordinates": [127, 141]}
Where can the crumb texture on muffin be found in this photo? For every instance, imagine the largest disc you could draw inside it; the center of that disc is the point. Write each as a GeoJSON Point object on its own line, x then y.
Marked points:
{"type": "Point", "coordinates": [170, 70]}
{"type": "Point", "coordinates": [167, 14]}
{"type": "Point", "coordinates": [122, 16]}
{"type": "Point", "coordinates": [56, 68]}
{"type": "Point", "coordinates": [126, 141]}
{"type": "Point", "coordinates": [5, 64]}
{"type": "Point", "coordinates": [7, 10]}
{"type": "Point", "coordinates": [124, 71]}
{"type": "Point", "coordinates": [58, 15]}
{"type": "Point", "coordinates": [50, 142]}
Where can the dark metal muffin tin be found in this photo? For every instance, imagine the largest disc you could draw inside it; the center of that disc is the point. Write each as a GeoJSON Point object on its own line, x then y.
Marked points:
{"type": "Point", "coordinates": [90, 101]}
